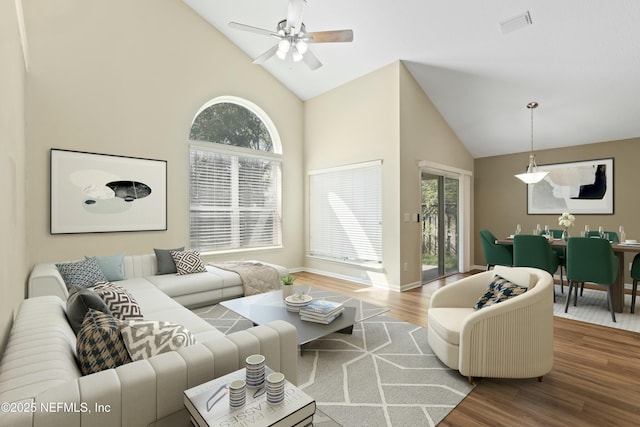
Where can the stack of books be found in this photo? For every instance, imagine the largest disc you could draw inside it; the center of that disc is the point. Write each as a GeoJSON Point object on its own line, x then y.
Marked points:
{"type": "Point", "coordinates": [321, 311]}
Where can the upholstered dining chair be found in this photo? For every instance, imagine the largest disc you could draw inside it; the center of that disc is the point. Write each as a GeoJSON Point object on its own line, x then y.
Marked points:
{"type": "Point", "coordinates": [590, 260]}
{"type": "Point", "coordinates": [635, 275]}
{"type": "Point", "coordinates": [562, 261]}
{"type": "Point", "coordinates": [534, 251]}
{"type": "Point", "coordinates": [495, 254]}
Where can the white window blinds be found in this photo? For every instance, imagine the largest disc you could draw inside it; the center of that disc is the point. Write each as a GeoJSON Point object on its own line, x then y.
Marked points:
{"type": "Point", "coordinates": [235, 200]}
{"type": "Point", "coordinates": [345, 213]}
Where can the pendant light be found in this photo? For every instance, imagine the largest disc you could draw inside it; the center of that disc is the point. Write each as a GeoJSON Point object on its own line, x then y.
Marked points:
{"type": "Point", "coordinates": [531, 176]}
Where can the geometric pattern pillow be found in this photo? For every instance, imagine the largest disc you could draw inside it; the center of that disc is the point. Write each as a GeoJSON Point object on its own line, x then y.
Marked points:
{"type": "Point", "coordinates": [120, 302]}
{"type": "Point", "coordinates": [188, 262]}
{"type": "Point", "coordinates": [500, 289]}
{"type": "Point", "coordinates": [166, 264]}
{"type": "Point", "coordinates": [146, 338]}
{"type": "Point", "coordinates": [82, 274]}
{"type": "Point", "coordinates": [99, 344]}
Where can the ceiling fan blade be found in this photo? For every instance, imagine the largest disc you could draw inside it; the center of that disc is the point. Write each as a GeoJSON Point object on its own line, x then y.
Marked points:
{"type": "Point", "coordinates": [311, 60]}
{"type": "Point", "coordinates": [294, 15]}
{"type": "Point", "coordinates": [266, 56]}
{"type": "Point", "coordinates": [251, 29]}
{"type": "Point", "coordinates": [329, 36]}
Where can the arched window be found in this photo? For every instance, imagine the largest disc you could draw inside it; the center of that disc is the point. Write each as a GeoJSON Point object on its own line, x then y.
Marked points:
{"type": "Point", "coordinates": [235, 182]}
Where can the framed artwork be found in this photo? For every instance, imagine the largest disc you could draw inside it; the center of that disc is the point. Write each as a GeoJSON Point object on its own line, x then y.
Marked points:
{"type": "Point", "coordinates": [99, 193]}
{"type": "Point", "coordinates": [584, 187]}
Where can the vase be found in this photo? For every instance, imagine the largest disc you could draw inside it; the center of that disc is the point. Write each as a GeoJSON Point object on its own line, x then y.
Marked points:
{"type": "Point", "coordinates": [565, 234]}
{"type": "Point", "coordinates": [287, 290]}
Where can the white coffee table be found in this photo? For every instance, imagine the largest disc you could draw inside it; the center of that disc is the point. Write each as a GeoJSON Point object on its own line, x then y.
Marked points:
{"type": "Point", "coordinates": [208, 405]}
{"type": "Point", "coordinates": [269, 306]}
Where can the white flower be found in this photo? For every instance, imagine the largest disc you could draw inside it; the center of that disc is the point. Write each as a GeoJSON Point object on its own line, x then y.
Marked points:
{"type": "Point", "coordinates": [566, 220]}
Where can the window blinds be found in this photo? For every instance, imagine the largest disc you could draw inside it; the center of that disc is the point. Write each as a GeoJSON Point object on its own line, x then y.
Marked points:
{"type": "Point", "coordinates": [235, 200]}
{"type": "Point", "coordinates": [345, 213]}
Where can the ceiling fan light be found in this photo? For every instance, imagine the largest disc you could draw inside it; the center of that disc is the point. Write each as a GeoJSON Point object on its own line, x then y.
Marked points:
{"type": "Point", "coordinates": [284, 46]}
{"type": "Point", "coordinates": [297, 55]}
{"type": "Point", "coordinates": [302, 47]}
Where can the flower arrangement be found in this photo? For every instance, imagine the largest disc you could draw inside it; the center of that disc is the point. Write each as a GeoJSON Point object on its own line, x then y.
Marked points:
{"type": "Point", "coordinates": [566, 220]}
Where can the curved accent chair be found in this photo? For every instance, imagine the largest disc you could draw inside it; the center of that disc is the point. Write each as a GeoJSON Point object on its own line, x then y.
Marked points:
{"type": "Point", "coordinates": [495, 254]}
{"type": "Point", "coordinates": [590, 260]}
{"type": "Point", "coordinates": [509, 339]}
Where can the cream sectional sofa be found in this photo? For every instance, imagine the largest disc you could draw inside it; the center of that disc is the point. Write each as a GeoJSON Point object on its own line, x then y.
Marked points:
{"type": "Point", "coordinates": [42, 385]}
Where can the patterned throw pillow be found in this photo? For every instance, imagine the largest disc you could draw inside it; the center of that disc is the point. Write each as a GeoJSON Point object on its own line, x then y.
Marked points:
{"type": "Point", "coordinates": [188, 262]}
{"type": "Point", "coordinates": [82, 274]}
{"type": "Point", "coordinates": [500, 289]}
{"type": "Point", "coordinates": [121, 303]}
{"type": "Point", "coordinates": [99, 344]}
{"type": "Point", "coordinates": [147, 338]}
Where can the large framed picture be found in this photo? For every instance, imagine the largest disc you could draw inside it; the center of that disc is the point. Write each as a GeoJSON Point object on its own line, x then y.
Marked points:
{"type": "Point", "coordinates": [584, 187]}
{"type": "Point", "coordinates": [96, 193]}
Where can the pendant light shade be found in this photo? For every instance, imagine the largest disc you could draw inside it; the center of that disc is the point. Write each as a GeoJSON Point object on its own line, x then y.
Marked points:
{"type": "Point", "coordinates": [532, 176]}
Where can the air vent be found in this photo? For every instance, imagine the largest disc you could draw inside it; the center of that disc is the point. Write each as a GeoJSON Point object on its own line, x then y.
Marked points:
{"type": "Point", "coordinates": [515, 23]}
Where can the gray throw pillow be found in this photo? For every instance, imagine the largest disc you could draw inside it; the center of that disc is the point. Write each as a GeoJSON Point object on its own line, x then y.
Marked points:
{"type": "Point", "coordinates": [82, 273]}
{"type": "Point", "coordinates": [166, 264]}
{"type": "Point", "coordinates": [79, 302]}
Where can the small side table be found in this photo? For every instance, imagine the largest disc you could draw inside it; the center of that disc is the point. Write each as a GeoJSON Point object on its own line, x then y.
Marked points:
{"type": "Point", "coordinates": [208, 405]}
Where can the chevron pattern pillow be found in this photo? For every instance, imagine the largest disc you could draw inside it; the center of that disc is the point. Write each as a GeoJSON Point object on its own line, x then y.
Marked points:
{"type": "Point", "coordinates": [188, 262]}
{"type": "Point", "coordinates": [500, 289]}
{"type": "Point", "coordinates": [120, 302]}
{"type": "Point", "coordinates": [99, 344]}
{"type": "Point", "coordinates": [147, 338]}
{"type": "Point", "coordinates": [82, 274]}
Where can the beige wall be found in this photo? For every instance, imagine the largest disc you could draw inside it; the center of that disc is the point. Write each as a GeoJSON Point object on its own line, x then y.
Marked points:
{"type": "Point", "coordinates": [500, 199]}
{"type": "Point", "coordinates": [13, 251]}
{"type": "Point", "coordinates": [127, 77]}
{"type": "Point", "coordinates": [383, 115]}
{"type": "Point", "coordinates": [354, 123]}
{"type": "Point", "coordinates": [424, 136]}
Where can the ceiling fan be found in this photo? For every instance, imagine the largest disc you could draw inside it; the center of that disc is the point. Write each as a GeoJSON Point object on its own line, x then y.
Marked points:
{"type": "Point", "coordinates": [294, 39]}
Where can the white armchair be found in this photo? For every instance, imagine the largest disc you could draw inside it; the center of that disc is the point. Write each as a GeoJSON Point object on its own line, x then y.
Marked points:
{"type": "Point", "coordinates": [510, 339]}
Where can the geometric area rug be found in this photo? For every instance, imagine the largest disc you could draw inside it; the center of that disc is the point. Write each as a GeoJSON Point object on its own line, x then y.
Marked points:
{"type": "Point", "coordinates": [383, 374]}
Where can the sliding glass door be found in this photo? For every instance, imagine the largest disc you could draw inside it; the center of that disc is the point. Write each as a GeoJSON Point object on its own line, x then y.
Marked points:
{"type": "Point", "coordinates": [440, 212]}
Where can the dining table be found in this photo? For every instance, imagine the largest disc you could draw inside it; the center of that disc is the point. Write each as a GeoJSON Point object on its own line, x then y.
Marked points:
{"type": "Point", "coordinates": [619, 249]}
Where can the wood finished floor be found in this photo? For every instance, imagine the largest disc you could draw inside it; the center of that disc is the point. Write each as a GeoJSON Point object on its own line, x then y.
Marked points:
{"type": "Point", "coordinates": [595, 380]}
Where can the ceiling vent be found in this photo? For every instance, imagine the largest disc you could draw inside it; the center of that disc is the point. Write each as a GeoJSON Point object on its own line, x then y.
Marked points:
{"type": "Point", "coordinates": [517, 22]}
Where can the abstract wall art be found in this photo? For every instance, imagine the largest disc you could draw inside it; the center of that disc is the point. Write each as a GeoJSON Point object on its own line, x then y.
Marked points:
{"type": "Point", "coordinates": [94, 193]}
{"type": "Point", "coordinates": [584, 187]}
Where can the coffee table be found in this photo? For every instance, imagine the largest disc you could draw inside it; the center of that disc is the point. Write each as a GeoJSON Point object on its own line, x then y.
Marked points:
{"type": "Point", "coordinates": [269, 306]}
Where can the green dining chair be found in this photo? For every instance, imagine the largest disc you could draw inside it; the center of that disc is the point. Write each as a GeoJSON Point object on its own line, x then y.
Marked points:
{"type": "Point", "coordinates": [534, 251]}
{"type": "Point", "coordinates": [590, 260]}
{"type": "Point", "coordinates": [613, 236]}
{"type": "Point", "coordinates": [635, 275]}
{"type": "Point", "coordinates": [562, 261]}
{"type": "Point", "coordinates": [495, 254]}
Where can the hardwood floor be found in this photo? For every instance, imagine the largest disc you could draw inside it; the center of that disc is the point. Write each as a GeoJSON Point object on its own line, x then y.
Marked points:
{"type": "Point", "coordinates": [595, 380]}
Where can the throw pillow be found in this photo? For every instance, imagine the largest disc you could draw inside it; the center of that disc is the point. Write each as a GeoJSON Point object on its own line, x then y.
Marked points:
{"type": "Point", "coordinates": [166, 265]}
{"type": "Point", "coordinates": [79, 302]}
{"type": "Point", "coordinates": [99, 344]}
{"type": "Point", "coordinates": [188, 262]}
{"type": "Point", "coordinates": [147, 338]}
{"type": "Point", "coordinates": [111, 266]}
{"type": "Point", "coordinates": [122, 304]}
{"type": "Point", "coordinates": [81, 273]}
{"type": "Point", "coordinates": [500, 289]}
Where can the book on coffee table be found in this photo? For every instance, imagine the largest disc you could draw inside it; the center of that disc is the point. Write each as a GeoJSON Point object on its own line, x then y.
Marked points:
{"type": "Point", "coordinates": [321, 308]}
{"type": "Point", "coordinates": [208, 405]}
{"type": "Point", "coordinates": [321, 318]}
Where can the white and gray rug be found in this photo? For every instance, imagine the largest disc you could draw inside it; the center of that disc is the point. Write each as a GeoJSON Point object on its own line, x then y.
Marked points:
{"type": "Point", "coordinates": [384, 374]}
{"type": "Point", "coordinates": [592, 308]}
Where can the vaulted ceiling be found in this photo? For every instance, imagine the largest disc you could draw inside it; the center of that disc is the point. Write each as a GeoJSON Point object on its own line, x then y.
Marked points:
{"type": "Point", "coordinates": [579, 59]}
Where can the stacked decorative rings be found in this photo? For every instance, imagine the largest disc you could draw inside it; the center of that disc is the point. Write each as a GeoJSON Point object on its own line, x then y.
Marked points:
{"type": "Point", "coordinates": [275, 388]}
{"type": "Point", "coordinates": [255, 370]}
{"type": "Point", "coordinates": [237, 393]}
